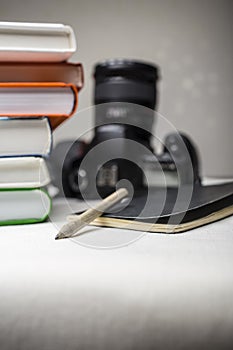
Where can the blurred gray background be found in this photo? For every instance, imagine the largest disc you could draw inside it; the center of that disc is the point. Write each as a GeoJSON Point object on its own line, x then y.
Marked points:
{"type": "Point", "coordinates": [191, 40]}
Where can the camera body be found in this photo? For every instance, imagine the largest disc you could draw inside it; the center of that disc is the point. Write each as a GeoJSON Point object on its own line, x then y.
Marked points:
{"type": "Point", "coordinates": [125, 100]}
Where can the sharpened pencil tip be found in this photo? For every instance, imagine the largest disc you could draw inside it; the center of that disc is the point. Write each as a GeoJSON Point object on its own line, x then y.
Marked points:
{"type": "Point", "coordinates": [60, 236]}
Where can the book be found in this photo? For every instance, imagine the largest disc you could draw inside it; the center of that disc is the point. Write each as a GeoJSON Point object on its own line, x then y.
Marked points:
{"type": "Point", "coordinates": [25, 137]}
{"type": "Point", "coordinates": [23, 206]}
{"type": "Point", "coordinates": [23, 172]}
{"type": "Point", "coordinates": [47, 42]}
{"type": "Point", "coordinates": [38, 99]}
{"type": "Point", "coordinates": [167, 213]}
{"type": "Point", "coordinates": [38, 91]}
{"type": "Point", "coordinates": [68, 73]}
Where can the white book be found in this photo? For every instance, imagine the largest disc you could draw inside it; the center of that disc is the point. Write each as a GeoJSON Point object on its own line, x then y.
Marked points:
{"type": "Point", "coordinates": [25, 137]}
{"type": "Point", "coordinates": [37, 99]}
{"type": "Point", "coordinates": [23, 172]}
{"type": "Point", "coordinates": [47, 42]}
{"type": "Point", "coordinates": [24, 206]}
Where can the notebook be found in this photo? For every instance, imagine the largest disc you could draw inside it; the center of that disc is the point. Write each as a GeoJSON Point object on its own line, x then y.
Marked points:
{"type": "Point", "coordinates": [167, 213]}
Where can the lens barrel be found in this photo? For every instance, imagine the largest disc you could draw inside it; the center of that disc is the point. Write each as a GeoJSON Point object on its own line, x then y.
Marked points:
{"type": "Point", "coordinates": [126, 81]}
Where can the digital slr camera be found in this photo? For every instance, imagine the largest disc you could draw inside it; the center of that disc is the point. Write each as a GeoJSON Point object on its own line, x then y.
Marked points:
{"type": "Point", "coordinates": [125, 100]}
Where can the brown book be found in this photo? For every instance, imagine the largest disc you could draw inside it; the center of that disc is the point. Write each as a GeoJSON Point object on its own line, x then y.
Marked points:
{"type": "Point", "coordinates": [68, 73]}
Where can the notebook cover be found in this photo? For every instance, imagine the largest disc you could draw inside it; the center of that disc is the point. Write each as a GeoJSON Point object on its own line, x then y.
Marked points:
{"type": "Point", "coordinates": [208, 204]}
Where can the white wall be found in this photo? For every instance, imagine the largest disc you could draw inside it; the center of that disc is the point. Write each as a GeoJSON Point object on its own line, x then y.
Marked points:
{"type": "Point", "coordinates": [191, 41]}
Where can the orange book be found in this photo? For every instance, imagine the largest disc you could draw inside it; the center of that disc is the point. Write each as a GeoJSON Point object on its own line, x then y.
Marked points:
{"type": "Point", "coordinates": [55, 100]}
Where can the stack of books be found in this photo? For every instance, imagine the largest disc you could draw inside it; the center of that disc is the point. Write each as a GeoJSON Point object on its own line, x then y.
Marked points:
{"type": "Point", "coordinates": [38, 91]}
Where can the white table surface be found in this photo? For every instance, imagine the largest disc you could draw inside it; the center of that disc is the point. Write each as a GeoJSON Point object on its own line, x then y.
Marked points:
{"type": "Point", "coordinates": [114, 289]}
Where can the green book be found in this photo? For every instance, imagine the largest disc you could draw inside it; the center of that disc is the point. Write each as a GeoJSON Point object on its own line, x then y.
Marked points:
{"type": "Point", "coordinates": [24, 206]}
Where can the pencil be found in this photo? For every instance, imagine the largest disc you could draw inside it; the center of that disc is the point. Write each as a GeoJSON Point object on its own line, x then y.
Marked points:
{"type": "Point", "coordinates": [82, 220]}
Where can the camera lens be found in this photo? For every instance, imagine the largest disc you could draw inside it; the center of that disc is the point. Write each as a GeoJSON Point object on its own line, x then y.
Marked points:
{"type": "Point", "coordinates": [126, 93]}
{"type": "Point", "coordinates": [126, 81]}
